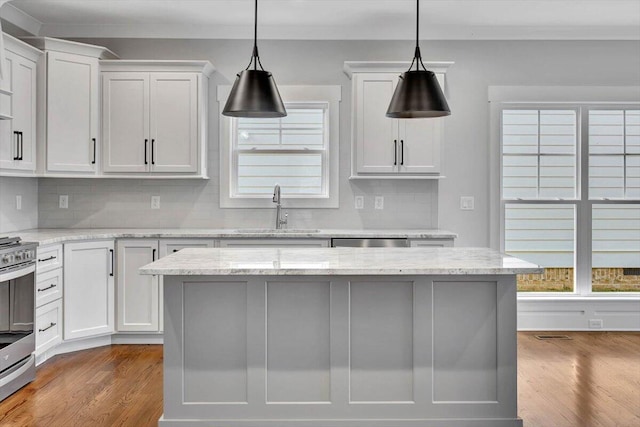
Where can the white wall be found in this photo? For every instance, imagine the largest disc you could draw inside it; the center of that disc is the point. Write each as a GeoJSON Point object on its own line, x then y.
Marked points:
{"type": "Point", "coordinates": [410, 204]}
{"type": "Point", "coordinates": [12, 219]}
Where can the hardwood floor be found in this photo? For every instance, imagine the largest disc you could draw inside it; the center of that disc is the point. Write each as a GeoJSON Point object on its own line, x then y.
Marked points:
{"type": "Point", "coordinates": [592, 380]}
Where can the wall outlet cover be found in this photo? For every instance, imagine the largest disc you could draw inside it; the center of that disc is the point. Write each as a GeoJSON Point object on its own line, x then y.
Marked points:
{"type": "Point", "coordinates": [359, 202]}
{"type": "Point", "coordinates": [596, 324]}
{"type": "Point", "coordinates": [155, 202]}
{"type": "Point", "coordinates": [18, 202]}
{"type": "Point", "coordinates": [379, 202]}
{"type": "Point", "coordinates": [63, 202]}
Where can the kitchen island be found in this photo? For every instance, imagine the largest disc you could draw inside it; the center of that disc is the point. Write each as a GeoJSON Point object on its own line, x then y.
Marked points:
{"type": "Point", "coordinates": [340, 337]}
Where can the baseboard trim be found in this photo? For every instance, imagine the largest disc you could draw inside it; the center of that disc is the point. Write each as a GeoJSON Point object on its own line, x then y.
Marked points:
{"type": "Point", "coordinates": [578, 314]}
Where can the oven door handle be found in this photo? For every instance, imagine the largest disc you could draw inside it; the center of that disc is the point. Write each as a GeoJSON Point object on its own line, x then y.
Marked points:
{"type": "Point", "coordinates": [17, 272]}
{"type": "Point", "coordinates": [28, 363]}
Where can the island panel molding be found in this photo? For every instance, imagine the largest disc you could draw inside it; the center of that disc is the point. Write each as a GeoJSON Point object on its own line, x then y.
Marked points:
{"type": "Point", "coordinates": [423, 350]}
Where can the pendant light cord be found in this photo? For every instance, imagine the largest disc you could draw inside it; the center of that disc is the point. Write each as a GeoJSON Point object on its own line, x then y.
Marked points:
{"type": "Point", "coordinates": [417, 56]}
{"type": "Point", "coordinates": [255, 58]}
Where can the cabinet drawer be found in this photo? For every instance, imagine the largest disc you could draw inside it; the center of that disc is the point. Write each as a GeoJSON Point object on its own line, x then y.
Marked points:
{"type": "Point", "coordinates": [431, 243]}
{"type": "Point", "coordinates": [49, 258]}
{"type": "Point", "coordinates": [48, 286]}
{"type": "Point", "coordinates": [48, 326]}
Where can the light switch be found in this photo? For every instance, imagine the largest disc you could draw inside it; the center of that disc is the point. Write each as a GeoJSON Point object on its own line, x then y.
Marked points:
{"type": "Point", "coordinates": [155, 202]}
{"type": "Point", "coordinates": [18, 202]}
{"type": "Point", "coordinates": [63, 202]}
{"type": "Point", "coordinates": [467, 203]}
{"type": "Point", "coordinates": [359, 202]}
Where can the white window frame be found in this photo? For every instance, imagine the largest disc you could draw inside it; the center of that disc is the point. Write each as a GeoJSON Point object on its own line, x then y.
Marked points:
{"type": "Point", "coordinates": [582, 98]}
{"type": "Point", "coordinates": [329, 98]}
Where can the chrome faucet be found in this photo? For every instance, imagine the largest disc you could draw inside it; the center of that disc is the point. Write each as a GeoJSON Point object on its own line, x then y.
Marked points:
{"type": "Point", "coordinates": [276, 199]}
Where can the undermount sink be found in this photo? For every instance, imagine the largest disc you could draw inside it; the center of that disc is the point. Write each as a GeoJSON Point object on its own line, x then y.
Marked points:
{"type": "Point", "coordinates": [273, 230]}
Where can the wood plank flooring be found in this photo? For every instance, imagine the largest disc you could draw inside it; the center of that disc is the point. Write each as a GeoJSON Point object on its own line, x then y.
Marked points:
{"type": "Point", "coordinates": [592, 380]}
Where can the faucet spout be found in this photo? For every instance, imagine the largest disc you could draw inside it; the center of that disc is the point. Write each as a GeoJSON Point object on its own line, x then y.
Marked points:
{"type": "Point", "coordinates": [276, 199]}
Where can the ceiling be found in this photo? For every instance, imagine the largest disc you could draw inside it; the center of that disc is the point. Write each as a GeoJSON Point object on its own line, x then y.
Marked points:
{"type": "Point", "coordinates": [330, 19]}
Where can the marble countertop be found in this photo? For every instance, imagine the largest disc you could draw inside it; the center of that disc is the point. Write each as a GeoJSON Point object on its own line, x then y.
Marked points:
{"type": "Point", "coordinates": [339, 261]}
{"type": "Point", "coordinates": [45, 236]}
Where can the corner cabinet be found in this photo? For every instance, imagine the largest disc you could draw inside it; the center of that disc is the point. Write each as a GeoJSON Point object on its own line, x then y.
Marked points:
{"type": "Point", "coordinates": [385, 148]}
{"type": "Point", "coordinates": [18, 108]}
{"type": "Point", "coordinates": [70, 119]}
{"type": "Point", "coordinates": [89, 269]}
{"type": "Point", "coordinates": [154, 118]}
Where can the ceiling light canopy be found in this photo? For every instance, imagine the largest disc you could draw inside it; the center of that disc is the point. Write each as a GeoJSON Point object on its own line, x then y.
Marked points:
{"type": "Point", "coordinates": [254, 93]}
{"type": "Point", "coordinates": [418, 93]}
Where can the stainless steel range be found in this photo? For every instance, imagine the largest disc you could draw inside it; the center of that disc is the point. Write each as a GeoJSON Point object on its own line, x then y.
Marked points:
{"type": "Point", "coordinates": [17, 314]}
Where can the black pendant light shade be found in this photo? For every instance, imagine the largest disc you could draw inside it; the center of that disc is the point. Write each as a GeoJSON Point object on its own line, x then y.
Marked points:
{"type": "Point", "coordinates": [418, 93]}
{"type": "Point", "coordinates": [254, 93]}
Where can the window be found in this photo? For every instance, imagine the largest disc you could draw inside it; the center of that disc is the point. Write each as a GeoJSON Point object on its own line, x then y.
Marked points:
{"type": "Point", "coordinates": [289, 151]}
{"type": "Point", "coordinates": [299, 152]}
{"type": "Point", "coordinates": [570, 186]}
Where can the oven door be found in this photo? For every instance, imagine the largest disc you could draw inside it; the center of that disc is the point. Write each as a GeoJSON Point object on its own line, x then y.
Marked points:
{"type": "Point", "coordinates": [17, 315]}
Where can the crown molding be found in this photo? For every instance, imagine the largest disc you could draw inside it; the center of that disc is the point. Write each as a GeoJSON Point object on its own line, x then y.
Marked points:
{"type": "Point", "coordinates": [124, 65]}
{"type": "Point", "coordinates": [20, 19]}
{"type": "Point", "coordinates": [350, 67]}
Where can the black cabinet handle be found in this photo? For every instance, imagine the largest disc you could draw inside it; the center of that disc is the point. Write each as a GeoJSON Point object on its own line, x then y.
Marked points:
{"type": "Point", "coordinates": [153, 255]}
{"type": "Point", "coordinates": [53, 285]}
{"type": "Point", "coordinates": [21, 146]}
{"type": "Point", "coordinates": [17, 156]}
{"type": "Point", "coordinates": [51, 325]}
{"type": "Point", "coordinates": [153, 151]}
{"type": "Point", "coordinates": [112, 262]}
{"type": "Point", "coordinates": [402, 152]}
{"type": "Point", "coordinates": [175, 250]}
{"type": "Point", "coordinates": [395, 152]}
{"type": "Point", "coordinates": [146, 143]}
{"type": "Point", "coordinates": [46, 259]}
{"type": "Point", "coordinates": [93, 162]}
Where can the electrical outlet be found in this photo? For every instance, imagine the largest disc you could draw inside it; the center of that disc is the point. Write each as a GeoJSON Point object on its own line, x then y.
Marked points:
{"type": "Point", "coordinates": [155, 202]}
{"type": "Point", "coordinates": [379, 202]}
{"type": "Point", "coordinates": [359, 202]}
{"type": "Point", "coordinates": [467, 203]}
{"type": "Point", "coordinates": [63, 202]}
{"type": "Point", "coordinates": [595, 324]}
{"type": "Point", "coordinates": [18, 202]}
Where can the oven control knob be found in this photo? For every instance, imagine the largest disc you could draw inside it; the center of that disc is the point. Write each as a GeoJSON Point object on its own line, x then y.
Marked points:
{"type": "Point", "coordinates": [18, 256]}
{"type": "Point", "coordinates": [7, 259]}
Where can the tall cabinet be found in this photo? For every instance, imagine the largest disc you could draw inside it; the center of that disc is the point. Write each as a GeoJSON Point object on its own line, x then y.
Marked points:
{"type": "Point", "coordinates": [391, 148]}
{"type": "Point", "coordinates": [70, 97]}
{"type": "Point", "coordinates": [18, 108]}
{"type": "Point", "coordinates": [153, 117]}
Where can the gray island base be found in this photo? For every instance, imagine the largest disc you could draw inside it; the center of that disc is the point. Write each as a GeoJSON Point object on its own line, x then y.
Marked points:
{"type": "Point", "coordinates": [340, 337]}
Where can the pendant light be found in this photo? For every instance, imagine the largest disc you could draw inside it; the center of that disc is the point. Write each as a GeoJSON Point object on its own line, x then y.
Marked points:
{"type": "Point", "coordinates": [254, 93]}
{"type": "Point", "coordinates": [418, 93]}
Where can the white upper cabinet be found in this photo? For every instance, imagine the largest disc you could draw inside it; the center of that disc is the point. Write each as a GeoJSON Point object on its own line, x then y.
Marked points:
{"type": "Point", "coordinates": [154, 117]}
{"type": "Point", "coordinates": [391, 148]}
{"type": "Point", "coordinates": [18, 131]}
{"type": "Point", "coordinates": [72, 112]}
{"type": "Point", "coordinates": [125, 122]}
{"type": "Point", "coordinates": [68, 124]}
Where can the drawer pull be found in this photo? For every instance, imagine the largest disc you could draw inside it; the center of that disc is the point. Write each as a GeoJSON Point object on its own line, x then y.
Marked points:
{"type": "Point", "coordinates": [51, 325]}
{"type": "Point", "coordinates": [53, 285]}
{"type": "Point", "coordinates": [46, 259]}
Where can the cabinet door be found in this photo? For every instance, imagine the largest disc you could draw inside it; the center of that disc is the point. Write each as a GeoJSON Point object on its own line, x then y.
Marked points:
{"type": "Point", "coordinates": [376, 135]}
{"type": "Point", "coordinates": [174, 118]}
{"type": "Point", "coordinates": [137, 294]}
{"type": "Point", "coordinates": [72, 112]}
{"type": "Point", "coordinates": [125, 122]}
{"type": "Point", "coordinates": [24, 110]}
{"type": "Point", "coordinates": [419, 149]}
{"type": "Point", "coordinates": [88, 289]}
{"type": "Point", "coordinates": [8, 141]}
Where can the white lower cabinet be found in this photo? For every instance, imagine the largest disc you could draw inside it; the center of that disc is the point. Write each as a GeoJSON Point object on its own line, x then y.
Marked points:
{"type": "Point", "coordinates": [48, 286]}
{"type": "Point", "coordinates": [89, 289]}
{"type": "Point", "coordinates": [138, 295]}
{"type": "Point", "coordinates": [48, 326]}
